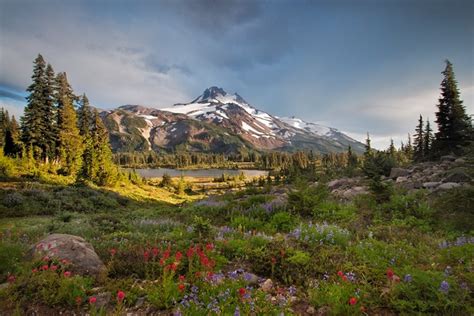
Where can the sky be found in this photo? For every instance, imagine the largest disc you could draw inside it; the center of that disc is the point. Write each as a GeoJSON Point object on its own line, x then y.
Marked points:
{"type": "Point", "coordinates": [360, 66]}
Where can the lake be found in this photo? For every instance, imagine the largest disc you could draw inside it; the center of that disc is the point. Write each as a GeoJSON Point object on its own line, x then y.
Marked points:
{"type": "Point", "coordinates": [199, 173]}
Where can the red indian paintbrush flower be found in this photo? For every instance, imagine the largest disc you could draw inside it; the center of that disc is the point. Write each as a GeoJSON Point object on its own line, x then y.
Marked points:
{"type": "Point", "coordinates": [182, 278]}
{"type": "Point", "coordinates": [352, 301]}
{"type": "Point", "coordinates": [181, 287]}
{"type": "Point", "coordinates": [190, 252]}
{"type": "Point", "coordinates": [92, 300]}
{"type": "Point", "coordinates": [390, 273]}
{"type": "Point", "coordinates": [120, 296]}
{"type": "Point", "coordinates": [113, 251]}
{"type": "Point", "coordinates": [242, 291]}
{"type": "Point", "coordinates": [178, 256]}
{"type": "Point", "coordinates": [209, 246]}
{"type": "Point", "coordinates": [67, 274]}
{"type": "Point", "coordinates": [146, 255]}
{"type": "Point", "coordinates": [155, 251]}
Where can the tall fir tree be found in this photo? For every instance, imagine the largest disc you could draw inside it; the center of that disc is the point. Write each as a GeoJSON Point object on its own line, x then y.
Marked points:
{"type": "Point", "coordinates": [391, 149]}
{"type": "Point", "coordinates": [454, 125]}
{"type": "Point", "coordinates": [70, 141]}
{"type": "Point", "coordinates": [49, 113]}
{"type": "Point", "coordinates": [63, 89]}
{"type": "Point", "coordinates": [368, 148]}
{"type": "Point", "coordinates": [12, 144]}
{"type": "Point", "coordinates": [409, 148]}
{"type": "Point", "coordinates": [34, 128]}
{"type": "Point", "coordinates": [427, 140]}
{"type": "Point", "coordinates": [352, 160]}
{"type": "Point", "coordinates": [84, 116]}
{"type": "Point", "coordinates": [418, 151]}
{"type": "Point", "coordinates": [98, 165]}
{"type": "Point", "coordinates": [4, 124]}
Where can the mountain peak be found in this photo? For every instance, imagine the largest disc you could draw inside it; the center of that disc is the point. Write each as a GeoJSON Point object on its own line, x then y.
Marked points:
{"type": "Point", "coordinates": [213, 93]}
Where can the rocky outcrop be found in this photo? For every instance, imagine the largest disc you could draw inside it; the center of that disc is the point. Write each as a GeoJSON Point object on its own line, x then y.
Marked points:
{"type": "Point", "coordinates": [399, 172]}
{"type": "Point", "coordinates": [74, 249]}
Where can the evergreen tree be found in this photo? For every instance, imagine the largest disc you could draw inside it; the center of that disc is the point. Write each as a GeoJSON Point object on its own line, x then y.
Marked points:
{"type": "Point", "coordinates": [106, 170]}
{"type": "Point", "coordinates": [70, 141]}
{"type": "Point", "coordinates": [427, 140]}
{"type": "Point", "coordinates": [49, 114]}
{"type": "Point", "coordinates": [63, 90]}
{"type": "Point", "coordinates": [351, 158]}
{"type": "Point", "coordinates": [418, 152]}
{"type": "Point", "coordinates": [3, 127]}
{"type": "Point", "coordinates": [368, 148]}
{"type": "Point", "coordinates": [34, 128]}
{"type": "Point", "coordinates": [408, 148]}
{"type": "Point", "coordinates": [391, 149]}
{"type": "Point", "coordinates": [454, 125]}
{"type": "Point", "coordinates": [12, 145]}
{"type": "Point", "coordinates": [84, 116]}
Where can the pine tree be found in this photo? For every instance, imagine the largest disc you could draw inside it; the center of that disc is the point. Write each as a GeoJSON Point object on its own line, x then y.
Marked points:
{"type": "Point", "coordinates": [427, 140]}
{"type": "Point", "coordinates": [368, 148]}
{"type": "Point", "coordinates": [34, 130]}
{"type": "Point", "coordinates": [391, 149]}
{"type": "Point", "coordinates": [63, 90]}
{"type": "Point", "coordinates": [3, 127]}
{"type": "Point", "coordinates": [49, 114]}
{"type": "Point", "coordinates": [454, 125]}
{"type": "Point", "coordinates": [103, 170]}
{"type": "Point", "coordinates": [12, 146]}
{"type": "Point", "coordinates": [418, 152]}
{"type": "Point", "coordinates": [409, 148]}
{"type": "Point", "coordinates": [84, 115]}
{"type": "Point", "coordinates": [70, 141]}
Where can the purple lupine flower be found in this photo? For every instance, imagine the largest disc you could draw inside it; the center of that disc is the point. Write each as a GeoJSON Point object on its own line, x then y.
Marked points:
{"type": "Point", "coordinates": [444, 287]}
{"type": "Point", "coordinates": [292, 290]}
{"type": "Point", "coordinates": [408, 278]}
{"type": "Point", "coordinates": [447, 271]}
{"type": "Point", "coordinates": [325, 276]}
{"type": "Point", "coordinates": [351, 276]}
{"type": "Point", "coordinates": [237, 311]}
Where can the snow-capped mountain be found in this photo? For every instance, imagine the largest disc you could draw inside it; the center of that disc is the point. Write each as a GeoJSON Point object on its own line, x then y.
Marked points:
{"type": "Point", "coordinates": [218, 121]}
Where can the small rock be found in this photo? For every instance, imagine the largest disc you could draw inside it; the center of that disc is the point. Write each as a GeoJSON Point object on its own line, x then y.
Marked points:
{"type": "Point", "coordinates": [334, 184]}
{"type": "Point", "coordinates": [401, 179]}
{"type": "Point", "coordinates": [103, 299]}
{"type": "Point", "coordinates": [325, 310]}
{"type": "Point", "coordinates": [399, 172]}
{"type": "Point", "coordinates": [310, 310]}
{"type": "Point", "coordinates": [348, 194]}
{"type": "Point", "coordinates": [448, 186]}
{"type": "Point", "coordinates": [447, 158]}
{"type": "Point", "coordinates": [250, 278]}
{"type": "Point", "coordinates": [267, 285]}
{"type": "Point", "coordinates": [457, 177]}
{"type": "Point", "coordinates": [430, 185]}
{"type": "Point", "coordinates": [460, 160]}
{"type": "Point", "coordinates": [140, 302]}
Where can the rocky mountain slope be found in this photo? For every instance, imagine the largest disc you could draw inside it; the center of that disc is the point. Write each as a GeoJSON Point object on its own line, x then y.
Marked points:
{"type": "Point", "coordinates": [218, 122]}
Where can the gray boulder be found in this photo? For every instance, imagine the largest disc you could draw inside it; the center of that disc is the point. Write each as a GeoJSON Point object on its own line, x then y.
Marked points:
{"type": "Point", "coordinates": [355, 191]}
{"type": "Point", "coordinates": [75, 249]}
{"type": "Point", "coordinates": [448, 158]}
{"type": "Point", "coordinates": [335, 184]}
{"type": "Point", "coordinates": [457, 177]}
{"type": "Point", "coordinates": [448, 186]}
{"type": "Point", "coordinates": [399, 172]}
{"type": "Point", "coordinates": [430, 185]}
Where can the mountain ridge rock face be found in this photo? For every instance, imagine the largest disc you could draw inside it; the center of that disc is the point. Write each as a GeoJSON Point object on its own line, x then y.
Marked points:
{"type": "Point", "coordinates": [217, 122]}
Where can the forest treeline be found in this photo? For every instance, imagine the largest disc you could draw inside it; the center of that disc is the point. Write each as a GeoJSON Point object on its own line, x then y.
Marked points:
{"type": "Point", "coordinates": [61, 130]}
